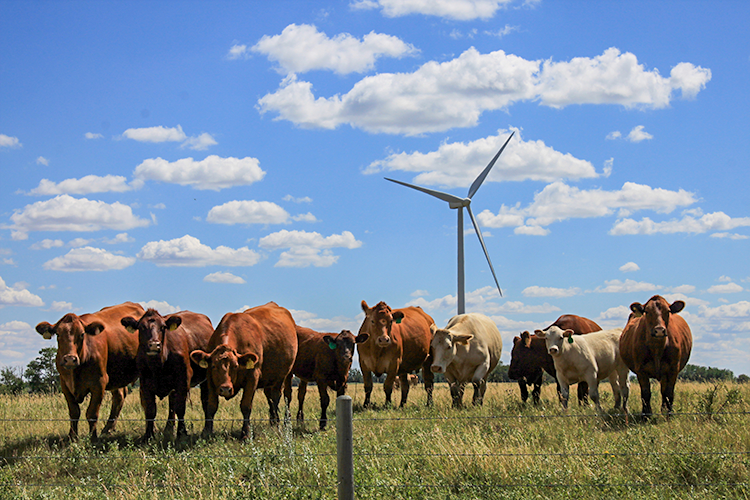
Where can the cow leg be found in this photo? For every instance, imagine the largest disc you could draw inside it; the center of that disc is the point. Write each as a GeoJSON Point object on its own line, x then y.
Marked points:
{"type": "Point", "coordinates": [457, 391]}
{"type": "Point", "coordinates": [148, 403]}
{"type": "Point", "coordinates": [74, 413]}
{"type": "Point", "coordinates": [171, 414]}
{"type": "Point", "coordinates": [614, 382]}
{"type": "Point", "coordinates": [594, 390]}
{"type": "Point", "coordinates": [404, 388]}
{"type": "Point", "coordinates": [92, 412]}
{"type": "Point", "coordinates": [429, 379]}
{"type": "Point", "coordinates": [178, 402]}
{"type": "Point", "coordinates": [583, 393]}
{"type": "Point", "coordinates": [564, 387]}
{"type": "Point", "coordinates": [118, 400]}
{"type": "Point", "coordinates": [645, 384]}
{"type": "Point", "coordinates": [210, 409]}
{"type": "Point", "coordinates": [367, 376]}
{"type": "Point", "coordinates": [273, 395]}
{"type": "Point", "coordinates": [524, 390]}
{"type": "Point", "coordinates": [388, 386]}
{"type": "Point", "coordinates": [480, 384]}
{"type": "Point", "coordinates": [288, 389]}
{"type": "Point", "coordinates": [324, 401]}
{"type": "Point", "coordinates": [537, 390]}
{"type": "Point", "coordinates": [667, 392]}
{"type": "Point", "coordinates": [301, 392]}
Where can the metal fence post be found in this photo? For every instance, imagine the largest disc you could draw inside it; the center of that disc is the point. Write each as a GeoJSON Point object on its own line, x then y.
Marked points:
{"type": "Point", "coordinates": [344, 448]}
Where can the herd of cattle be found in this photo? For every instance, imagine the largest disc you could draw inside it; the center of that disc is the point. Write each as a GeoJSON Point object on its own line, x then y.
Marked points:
{"type": "Point", "coordinates": [263, 348]}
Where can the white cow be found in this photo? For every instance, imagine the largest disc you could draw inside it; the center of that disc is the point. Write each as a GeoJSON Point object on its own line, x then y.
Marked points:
{"type": "Point", "coordinates": [588, 358]}
{"type": "Point", "coordinates": [466, 350]}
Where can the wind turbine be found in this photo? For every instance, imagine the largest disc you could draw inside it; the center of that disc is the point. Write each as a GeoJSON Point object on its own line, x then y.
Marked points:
{"type": "Point", "coordinates": [455, 202]}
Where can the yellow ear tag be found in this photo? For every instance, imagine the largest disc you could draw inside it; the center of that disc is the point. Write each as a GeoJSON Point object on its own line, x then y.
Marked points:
{"type": "Point", "coordinates": [47, 335]}
{"type": "Point", "coordinates": [203, 363]}
{"type": "Point", "coordinates": [173, 327]}
{"type": "Point", "coordinates": [130, 329]}
{"type": "Point", "coordinates": [250, 365]}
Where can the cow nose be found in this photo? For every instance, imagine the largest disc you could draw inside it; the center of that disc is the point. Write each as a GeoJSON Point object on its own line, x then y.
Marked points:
{"type": "Point", "coordinates": [154, 346]}
{"type": "Point", "coordinates": [225, 391]}
{"type": "Point", "coordinates": [659, 331]}
{"type": "Point", "coordinates": [70, 361]}
{"type": "Point", "coordinates": [384, 341]}
{"type": "Point", "coordinates": [553, 350]}
{"type": "Point", "coordinates": [436, 369]}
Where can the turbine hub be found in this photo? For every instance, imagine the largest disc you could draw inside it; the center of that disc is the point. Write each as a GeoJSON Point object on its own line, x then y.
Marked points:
{"type": "Point", "coordinates": [460, 204]}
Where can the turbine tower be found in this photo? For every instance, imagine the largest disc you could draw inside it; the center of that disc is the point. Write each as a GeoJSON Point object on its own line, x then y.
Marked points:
{"type": "Point", "coordinates": [455, 202]}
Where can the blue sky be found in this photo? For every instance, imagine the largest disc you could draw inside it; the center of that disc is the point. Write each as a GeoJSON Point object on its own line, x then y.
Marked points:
{"type": "Point", "coordinates": [216, 155]}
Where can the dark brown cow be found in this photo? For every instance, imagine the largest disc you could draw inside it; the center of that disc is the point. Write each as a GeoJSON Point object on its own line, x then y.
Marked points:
{"type": "Point", "coordinates": [656, 343]}
{"type": "Point", "coordinates": [94, 354]}
{"type": "Point", "coordinates": [164, 365]}
{"type": "Point", "coordinates": [529, 358]}
{"type": "Point", "coordinates": [251, 350]}
{"type": "Point", "coordinates": [399, 344]}
{"type": "Point", "coordinates": [323, 358]}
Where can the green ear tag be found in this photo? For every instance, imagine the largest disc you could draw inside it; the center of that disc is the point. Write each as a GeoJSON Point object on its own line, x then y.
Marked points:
{"type": "Point", "coordinates": [332, 345]}
{"type": "Point", "coordinates": [398, 321]}
{"type": "Point", "coordinates": [570, 339]}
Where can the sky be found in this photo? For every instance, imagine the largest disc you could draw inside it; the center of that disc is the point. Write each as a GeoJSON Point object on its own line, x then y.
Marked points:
{"type": "Point", "coordinates": [211, 156]}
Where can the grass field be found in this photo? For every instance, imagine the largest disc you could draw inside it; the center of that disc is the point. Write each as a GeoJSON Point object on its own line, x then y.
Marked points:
{"type": "Point", "coordinates": [501, 450]}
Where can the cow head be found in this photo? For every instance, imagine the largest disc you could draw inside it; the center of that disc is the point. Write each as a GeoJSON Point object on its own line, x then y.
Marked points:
{"type": "Point", "coordinates": [656, 314]}
{"type": "Point", "coordinates": [342, 346]}
{"type": "Point", "coordinates": [152, 330]}
{"type": "Point", "coordinates": [379, 322]}
{"type": "Point", "coordinates": [523, 362]}
{"type": "Point", "coordinates": [71, 332]}
{"type": "Point", "coordinates": [444, 344]}
{"type": "Point", "coordinates": [555, 338]}
{"type": "Point", "coordinates": [224, 365]}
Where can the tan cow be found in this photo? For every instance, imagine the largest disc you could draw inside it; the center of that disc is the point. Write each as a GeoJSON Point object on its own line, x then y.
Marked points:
{"type": "Point", "coordinates": [95, 353]}
{"type": "Point", "coordinates": [251, 350]}
{"type": "Point", "coordinates": [398, 344]}
{"type": "Point", "coordinates": [466, 350]}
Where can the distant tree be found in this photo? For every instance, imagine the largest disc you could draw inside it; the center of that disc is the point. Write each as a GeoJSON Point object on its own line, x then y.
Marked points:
{"type": "Point", "coordinates": [41, 372]}
{"type": "Point", "coordinates": [355, 376]}
{"type": "Point", "coordinates": [695, 373]}
{"type": "Point", "coordinates": [11, 381]}
{"type": "Point", "coordinates": [500, 373]}
{"type": "Point", "coordinates": [743, 379]}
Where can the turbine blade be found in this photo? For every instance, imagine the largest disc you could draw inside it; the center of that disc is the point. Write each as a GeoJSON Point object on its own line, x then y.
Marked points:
{"type": "Point", "coordinates": [479, 180]}
{"type": "Point", "coordinates": [486, 254]}
{"type": "Point", "coordinates": [437, 194]}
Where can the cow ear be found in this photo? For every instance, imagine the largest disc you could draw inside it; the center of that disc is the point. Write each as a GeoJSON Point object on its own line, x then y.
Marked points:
{"type": "Point", "coordinates": [516, 340]}
{"type": "Point", "coordinates": [568, 333]}
{"type": "Point", "coordinates": [540, 333]}
{"type": "Point", "coordinates": [362, 337]}
{"type": "Point", "coordinates": [637, 309]}
{"type": "Point", "coordinates": [248, 361]}
{"type": "Point", "coordinates": [330, 341]}
{"type": "Point", "coordinates": [464, 338]}
{"type": "Point", "coordinates": [433, 329]}
{"type": "Point", "coordinates": [364, 306]}
{"type": "Point", "coordinates": [398, 316]}
{"type": "Point", "coordinates": [94, 328]}
{"type": "Point", "coordinates": [676, 306]}
{"type": "Point", "coordinates": [200, 358]}
{"type": "Point", "coordinates": [130, 324]}
{"type": "Point", "coordinates": [45, 330]}
{"type": "Point", "coordinates": [173, 323]}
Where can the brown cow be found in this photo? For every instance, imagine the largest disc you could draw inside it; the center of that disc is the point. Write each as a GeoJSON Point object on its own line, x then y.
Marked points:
{"type": "Point", "coordinates": [399, 344]}
{"type": "Point", "coordinates": [656, 343]}
{"type": "Point", "coordinates": [164, 365]}
{"type": "Point", "coordinates": [323, 358]}
{"type": "Point", "coordinates": [251, 350]}
{"type": "Point", "coordinates": [94, 354]}
{"type": "Point", "coordinates": [529, 358]}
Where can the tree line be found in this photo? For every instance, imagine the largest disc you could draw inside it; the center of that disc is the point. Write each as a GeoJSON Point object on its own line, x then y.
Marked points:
{"type": "Point", "coordinates": [40, 375]}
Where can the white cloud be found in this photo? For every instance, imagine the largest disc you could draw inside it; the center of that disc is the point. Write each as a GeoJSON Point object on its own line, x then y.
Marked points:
{"type": "Point", "coordinates": [304, 199]}
{"type": "Point", "coordinates": [119, 238]}
{"type": "Point", "coordinates": [540, 291]}
{"type": "Point", "coordinates": [440, 96]}
{"type": "Point", "coordinates": [200, 143]}
{"type": "Point", "coordinates": [302, 48]}
{"type": "Point", "coordinates": [726, 288]}
{"type": "Point", "coordinates": [308, 217]}
{"type": "Point", "coordinates": [88, 259]}
{"type": "Point", "coordinates": [91, 135]}
{"type": "Point", "coordinates": [683, 289]}
{"type": "Point", "coordinates": [420, 293]}
{"type": "Point", "coordinates": [65, 213]}
{"type": "Point", "coordinates": [42, 161]}
{"type": "Point", "coordinates": [627, 286]}
{"type": "Point", "coordinates": [214, 173]}
{"type": "Point", "coordinates": [46, 244]}
{"type": "Point", "coordinates": [615, 313]}
{"type": "Point", "coordinates": [84, 185]}
{"type": "Point", "coordinates": [336, 324]}
{"type": "Point", "coordinates": [188, 251]}
{"type": "Point", "coordinates": [614, 135]}
{"type": "Point", "coordinates": [559, 201]}
{"type": "Point", "coordinates": [9, 142]}
{"type": "Point", "coordinates": [238, 51]}
{"type": "Point", "coordinates": [738, 310]}
{"type": "Point", "coordinates": [629, 267]}
{"type": "Point", "coordinates": [307, 248]}
{"type": "Point", "coordinates": [638, 134]}
{"type": "Point", "coordinates": [459, 10]}
{"type": "Point", "coordinates": [458, 164]}
{"type": "Point", "coordinates": [161, 306]}
{"type": "Point", "coordinates": [174, 134]}
{"type": "Point", "coordinates": [18, 296]}
{"type": "Point", "coordinates": [59, 305]}
{"type": "Point", "coordinates": [220, 277]}
{"type": "Point", "coordinates": [531, 230]}
{"type": "Point", "coordinates": [724, 279]}
{"type": "Point", "coordinates": [731, 236]}
{"type": "Point", "coordinates": [717, 221]}
{"type": "Point", "coordinates": [248, 212]}
{"type": "Point", "coordinates": [78, 242]}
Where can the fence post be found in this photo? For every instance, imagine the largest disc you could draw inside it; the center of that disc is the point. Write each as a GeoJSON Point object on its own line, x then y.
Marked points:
{"type": "Point", "coordinates": [344, 448]}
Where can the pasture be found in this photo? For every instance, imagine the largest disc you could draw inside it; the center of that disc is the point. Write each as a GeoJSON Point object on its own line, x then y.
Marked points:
{"type": "Point", "coordinates": [501, 450]}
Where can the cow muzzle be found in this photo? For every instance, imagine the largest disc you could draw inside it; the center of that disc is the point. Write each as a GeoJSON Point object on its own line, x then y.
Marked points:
{"type": "Point", "coordinates": [659, 332]}
{"type": "Point", "coordinates": [70, 361]}
{"type": "Point", "coordinates": [384, 341]}
{"type": "Point", "coordinates": [153, 348]}
{"type": "Point", "coordinates": [554, 350]}
{"type": "Point", "coordinates": [225, 391]}
{"type": "Point", "coordinates": [436, 369]}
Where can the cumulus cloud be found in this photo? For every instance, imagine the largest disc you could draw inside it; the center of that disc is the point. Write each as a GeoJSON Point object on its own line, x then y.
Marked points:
{"type": "Point", "coordinates": [306, 249]}
{"type": "Point", "coordinates": [91, 135]}
{"type": "Point", "coordinates": [440, 96]}
{"type": "Point", "coordinates": [248, 212]}
{"type": "Point", "coordinates": [42, 161]}
{"type": "Point", "coordinates": [614, 135]}
{"type": "Point", "coordinates": [188, 251]}
{"type": "Point", "coordinates": [726, 288]}
{"type": "Point", "coordinates": [65, 213]}
{"type": "Point", "coordinates": [85, 185]}
{"type": "Point", "coordinates": [618, 313]}
{"type": "Point", "coordinates": [459, 10]}
{"type": "Point", "coordinates": [61, 305]}
{"type": "Point", "coordinates": [638, 134]}
{"type": "Point", "coordinates": [220, 277]}
{"type": "Point", "coordinates": [302, 48]}
{"type": "Point", "coordinates": [46, 244]}
{"type": "Point", "coordinates": [161, 306]}
{"type": "Point", "coordinates": [9, 142]}
{"type": "Point", "coordinates": [167, 134]}
{"type": "Point", "coordinates": [629, 267]}
{"type": "Point", "coordinates": [213, 173]}
{"type": "Point", "coordinates": [541, 291]}
{"type": "Point", "coordinates": [457, 164]}
{"type": "Point", "coordinates": [304, 199]}
{"type": "Point", "coordinates": [88, 259]}
{"type": "Point", "coordinates": [731, 236]}
{"type": "Point", "coordinates": [335, 324]}
{"type": "Point", "coordinates": [18, 296]}
{"type": "Point", "coordinates": [717, 221]}
{"type": "Point", "coordinates": [627, 286]}
{"type": "Point", "coordinates": [559, 201]}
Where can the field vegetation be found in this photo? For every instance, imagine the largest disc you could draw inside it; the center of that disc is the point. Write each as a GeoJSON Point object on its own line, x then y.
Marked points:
{"type": "Point", "coordinates": [502, 450]}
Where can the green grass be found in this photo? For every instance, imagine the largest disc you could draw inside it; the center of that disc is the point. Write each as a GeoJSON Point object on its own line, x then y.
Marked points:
{"type": "Point", "coordinates": [501, 450]}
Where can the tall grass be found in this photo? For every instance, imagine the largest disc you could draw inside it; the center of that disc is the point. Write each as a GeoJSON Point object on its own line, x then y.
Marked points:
{"type": "Point", "coordinates": [501, 450]}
